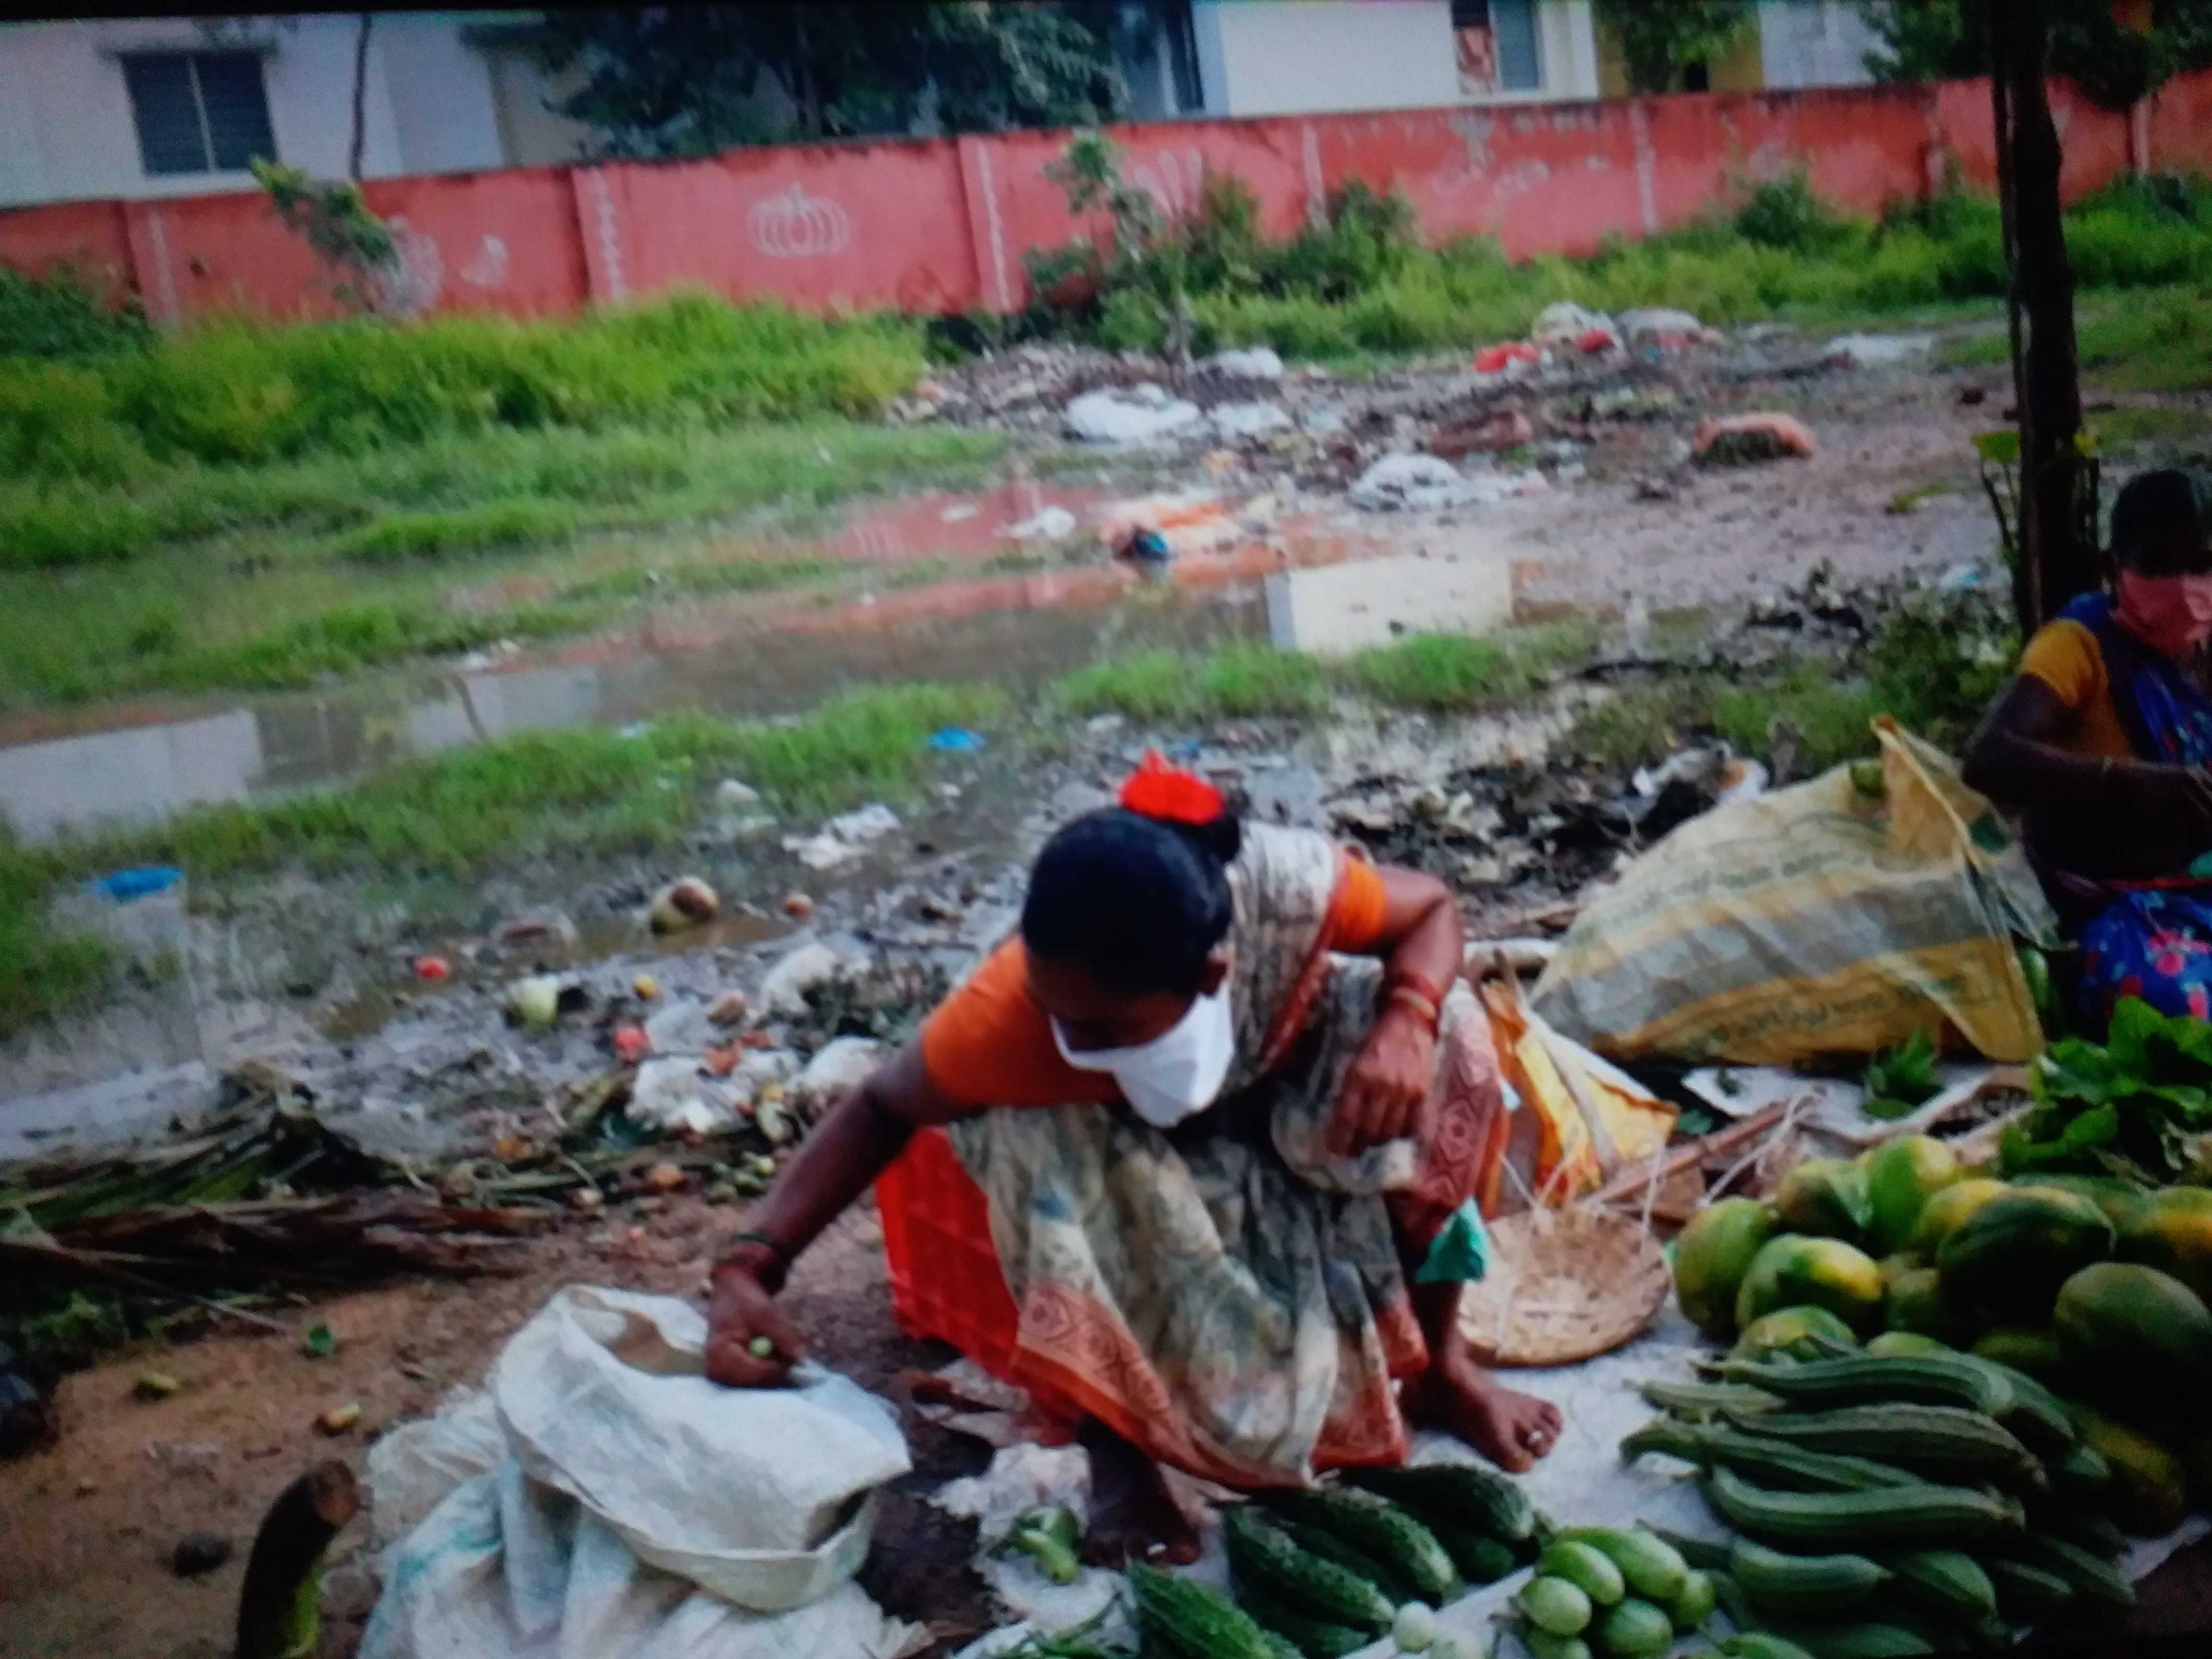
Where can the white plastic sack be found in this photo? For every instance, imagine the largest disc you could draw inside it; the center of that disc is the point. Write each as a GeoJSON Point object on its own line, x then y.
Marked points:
{"type": "Point", "coordinates": [759, 1495]}
{"type": "Point", "coordinates": [507, 1569]}
{"type": "Point", "coordinates": [601, 1500]}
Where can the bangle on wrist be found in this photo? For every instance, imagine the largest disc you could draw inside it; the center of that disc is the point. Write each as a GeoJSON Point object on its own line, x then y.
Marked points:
{"type": "Point", "coordinates": [775, 1261]}
{"type": "Point", "coordinates": [1405, 996]}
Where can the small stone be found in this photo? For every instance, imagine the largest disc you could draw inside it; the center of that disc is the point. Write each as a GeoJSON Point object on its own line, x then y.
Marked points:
{"type": "Point", "coordinates": [340, 1419]}
{"type": "Point", "coordinates": [155, 1385]}
{"type": "Point", "coordinates": [198, 1553]}
{"type": "Point", "coordinates": [585, 1201]}
{"type": "Point", "coordinates": [728, 1009]}
{"type": "Point", "coordinates": [797, 906]}
{"type": "Point", "coordinates": [663, 1178]}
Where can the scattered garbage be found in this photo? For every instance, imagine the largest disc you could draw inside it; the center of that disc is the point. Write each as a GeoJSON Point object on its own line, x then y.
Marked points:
{"type": "Point", "coordinates": [1877, 351]}
{"type": "Point", "coordinates": [534, 1003]}
{"type": "Point", "coordinates": [1666, 329]}
{"type": "Point", "coordinates": [728, 1009]}
{"type": "Point", "coordinates": [137, 883]}
{"type": "Point", "coordinates": [681, 1028]}
{"type": "Point", "coordinates": [1506, 359]}
{"type": "Point", "coordinates": [318, 1341]}
{"type": "Point", "coordinates": [957, 740]}
{"type": "Point", "coordinates": [734, 795]}
{"type": "Point", "coordinates": [842, 1065]}
{"type": "Point", "coordinates": [687, 901]}
{"type": "Point", "coordinates": [340, 1420]}
{"type": "Point", "coordinates": [1566, 324]}
{"type": "Point", "coordinates": [1409, 484]}
{"type": "Point", "coordinates": [809, 965]}
{"type": "Point", "coordinates": [644, 986]}
{"type": "Point", "coordinates": [1506, 428]}
{"type": "Point", "coordinates": [844, 838]}
{"type": "Point", "coordinates": [152, 1385]}
{"type": "Point", "coordinates": [431, 970]}
{"type": "Point", "coordinates": [1687, 783]}
{"type": "Point", "coordinates": [1049, 524]}
{"type": "Point", "coordinates": [1253, 363]}
{"type": "Point", "coordinates": [797, 906]}
{"type": "Point", "coordinates": [1244, 422]}
{"type": "Point", "coordinates": [630, 1044]}
{"type": "Point", "coordinates": [671, 1097]}
{"type": "Point", "coordinates": [1130, 415]}
{"type": "Point", "coordinates": [1743, 439]}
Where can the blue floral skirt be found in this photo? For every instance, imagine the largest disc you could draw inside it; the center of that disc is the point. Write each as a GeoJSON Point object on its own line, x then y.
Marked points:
{"type": "Point", "coordinates": [2155, 944]}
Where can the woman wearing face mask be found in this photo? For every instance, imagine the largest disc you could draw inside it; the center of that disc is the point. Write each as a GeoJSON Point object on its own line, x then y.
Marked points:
{"type": "Point", "coordinates": [1230, 1111]}
{"type": "Point", "coordinates": [2103, 743]}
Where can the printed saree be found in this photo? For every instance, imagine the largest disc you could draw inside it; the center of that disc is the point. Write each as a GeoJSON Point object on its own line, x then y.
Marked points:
{"type": "Point", "coordinates": [1223, 1295]}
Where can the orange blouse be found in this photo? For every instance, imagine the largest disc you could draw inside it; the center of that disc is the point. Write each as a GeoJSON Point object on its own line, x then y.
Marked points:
{"type": "Point", "coordinates": [990, 1044]}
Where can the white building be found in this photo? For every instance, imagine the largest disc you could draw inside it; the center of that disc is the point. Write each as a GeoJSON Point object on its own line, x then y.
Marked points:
{"type": "Point", "coordinates": [1815, 42]}
{"type": "Point", "coordinates": [96, 109]}
{"type": "Point", "coordinates": [1297, 56]}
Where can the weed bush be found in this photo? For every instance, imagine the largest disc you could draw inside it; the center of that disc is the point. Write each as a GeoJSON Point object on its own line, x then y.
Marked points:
{"type": "Point", "coordinates": [60, 316]}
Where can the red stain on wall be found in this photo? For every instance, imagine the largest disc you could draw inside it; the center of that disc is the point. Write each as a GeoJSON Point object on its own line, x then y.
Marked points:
{"type": "Point", "coordinates": [938, 226]}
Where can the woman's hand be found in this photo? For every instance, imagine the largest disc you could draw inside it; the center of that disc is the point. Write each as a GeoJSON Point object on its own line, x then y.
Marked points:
{"type": "Point", "coordinates": [1386, 1088]}
{"type": "Point", "coordinates": [741, 1314]}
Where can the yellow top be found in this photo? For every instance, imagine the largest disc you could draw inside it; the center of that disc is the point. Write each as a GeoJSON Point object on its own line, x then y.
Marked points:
{"type": "Point", "coordinates": [2066, 657]}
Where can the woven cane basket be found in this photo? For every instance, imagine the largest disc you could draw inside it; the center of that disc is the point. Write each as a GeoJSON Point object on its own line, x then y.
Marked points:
{"type": "Point", "coordinates": [1564, 1285]}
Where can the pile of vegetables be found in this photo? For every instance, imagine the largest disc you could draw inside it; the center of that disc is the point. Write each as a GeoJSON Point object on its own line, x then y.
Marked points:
{"type": "Point", "coordinates": [1323, 1573]}
{"type": "Point", "coordinates": [2140, 1106]}
{"type": "Point", "coordinates": [1967, 1428]}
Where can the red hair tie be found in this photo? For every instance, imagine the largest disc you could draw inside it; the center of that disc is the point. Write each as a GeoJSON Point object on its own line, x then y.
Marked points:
{"type": "Point", "coordinates": [1157, 790]}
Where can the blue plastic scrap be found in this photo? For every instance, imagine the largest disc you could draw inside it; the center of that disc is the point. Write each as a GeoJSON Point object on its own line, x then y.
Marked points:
{"type": "Point", "coordinates": [957, 740]}
{"type": "Point", "coordinates": [124, 885]}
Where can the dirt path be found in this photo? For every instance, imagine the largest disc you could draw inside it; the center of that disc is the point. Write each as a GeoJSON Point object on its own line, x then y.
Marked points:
{"type": "Point", "coordinates": [92, 1522]}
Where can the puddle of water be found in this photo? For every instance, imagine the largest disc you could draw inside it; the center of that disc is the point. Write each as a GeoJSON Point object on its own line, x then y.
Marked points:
{"type": "Point", "coordinates": [1309, 585]}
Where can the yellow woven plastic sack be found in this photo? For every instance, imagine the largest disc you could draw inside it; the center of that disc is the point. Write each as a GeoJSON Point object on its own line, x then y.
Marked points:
{"type": "Point", "coordinates": [1588, 1119]}
{"type": "Point", "coordinates": [1815, 919]}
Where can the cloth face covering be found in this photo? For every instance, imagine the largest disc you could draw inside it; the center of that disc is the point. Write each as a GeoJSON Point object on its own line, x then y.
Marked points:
{"type": "Point", "coordinates": [1175, 1076]}
{"type": "Point", "coordinates": [2172, 615]}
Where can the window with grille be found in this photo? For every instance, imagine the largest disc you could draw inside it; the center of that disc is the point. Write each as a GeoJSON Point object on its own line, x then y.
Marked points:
{"type": "Point", "coordinates": [199, 112]}
{"type": "Point", "coordinates": [1498, 50]}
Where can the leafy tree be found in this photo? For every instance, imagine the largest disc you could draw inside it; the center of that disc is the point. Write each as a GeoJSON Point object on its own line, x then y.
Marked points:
{"type": "Point", "coordinates": [688, 81]}
{"type": "Point", "coordinates": [2116, 66]}
{"type": "Point", "coordinates": [1660, 38]}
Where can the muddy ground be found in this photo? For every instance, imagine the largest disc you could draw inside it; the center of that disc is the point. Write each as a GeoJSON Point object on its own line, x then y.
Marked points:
{"type": "Point", "coordinates": [90, 1524]}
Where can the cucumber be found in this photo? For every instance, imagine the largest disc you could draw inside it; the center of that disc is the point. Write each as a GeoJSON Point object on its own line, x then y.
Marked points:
{"type": "Point", "coordinates": [1317, 1639]}
{"type": "Point", "coordinates": [1651, 1567]}
{"type": "Point", "coordinates": [1589, 1569]}
{"type": "Point", "coordinates": [1480, 1559]}
{"type": "Point", "coordinates": [1556, 1605]}
{"type": "Point", "coordinates": [1634, 1630]}
{"type": "Point", "coordinates": [1694, 1604]}
{"type": "Point", "coordinates": [1545, 1645]}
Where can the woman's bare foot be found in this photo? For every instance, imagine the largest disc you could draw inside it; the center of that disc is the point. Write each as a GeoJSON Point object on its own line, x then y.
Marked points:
{"type": "Point", "coordinates": [1132, 1517]}
{"type": "Point", "coordinates": [1512, 1430]}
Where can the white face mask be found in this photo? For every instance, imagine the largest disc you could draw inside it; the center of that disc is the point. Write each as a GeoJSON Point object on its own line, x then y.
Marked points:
{"type": "Point", "coordinates": [1175, 1075]}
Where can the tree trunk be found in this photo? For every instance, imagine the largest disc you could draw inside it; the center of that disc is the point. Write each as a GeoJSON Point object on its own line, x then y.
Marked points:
{"type": "Point", "coordinates": [360, 97]}
{"type": "Point", "coordinates": [2056, 557]}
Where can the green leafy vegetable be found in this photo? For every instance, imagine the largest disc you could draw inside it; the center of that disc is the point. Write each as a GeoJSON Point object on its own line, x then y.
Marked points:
{"type": "Point", "coordinates": [2139, 1105]}
{"type": "Point", "coordinates": [1903, 1077]}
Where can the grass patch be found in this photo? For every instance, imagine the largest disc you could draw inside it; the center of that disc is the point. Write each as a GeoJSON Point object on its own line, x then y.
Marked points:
{"type": "Point", "coordinates": [242, 392]}
{"type": "Point", "coordinates": [2149, 423]}
{"type": "Point", "coordinates": [286, 569]}
{"type": "Point", "coordinates": [1437, 671]}
{"type": "Point", "coordinates": [2155, 342]}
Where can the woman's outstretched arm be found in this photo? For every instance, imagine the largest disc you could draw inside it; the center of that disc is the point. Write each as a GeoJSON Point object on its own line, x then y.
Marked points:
{"type": "Point", "coordinates": [852, 1145]}
{"type": "Point", "coordinates": [1386, 1089]}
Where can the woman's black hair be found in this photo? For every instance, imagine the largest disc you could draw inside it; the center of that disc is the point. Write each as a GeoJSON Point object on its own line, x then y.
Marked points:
{"type": "Point", "coordinates": [2158, 511]}
{"type": "Point", "coordinates": [1138, 902]}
